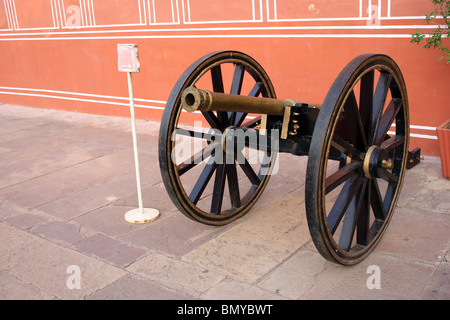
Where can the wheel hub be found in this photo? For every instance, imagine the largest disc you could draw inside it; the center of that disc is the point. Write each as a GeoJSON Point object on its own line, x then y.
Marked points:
{"type": "Point", "coordinates": [233, 140]}
{"type": "Point", "coordinates": [376, 161]}
{"type": "Point", "coordinates": [228, 140]}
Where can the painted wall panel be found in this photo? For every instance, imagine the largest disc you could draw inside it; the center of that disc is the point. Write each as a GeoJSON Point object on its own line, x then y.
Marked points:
{"type": "Point", "coordinates": [164, 12]}
{"type": "Point", "coordinates": [4, 19]}
{"type": "Point", "coordinates": [407, 8]}
{"type": "Point", "coordinates": [117, 12]}
{"type": "Point", "coordinates": [318, 9]}
{"type": "Point", "coordinates": [220, 11]}
{"type": "Point", "coordinates": [36, 14]}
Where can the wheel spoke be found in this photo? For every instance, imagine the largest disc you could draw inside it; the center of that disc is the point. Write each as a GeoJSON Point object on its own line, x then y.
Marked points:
{"type": "Point", "coordinates": [392, 142]}
{"type": "Point", "coordinates": [217, 80]}
{"type": "Point", "coordinates": [202, 181]}
{"type": "Point", "coordinates": [193, 134]}
{"type": "Point", "coordinates": [252, 123]}
{"type": "Point", "coordinates": [256, 90]}
{"type": "Point", "coordinates": [218, 191]}
{"type": "Point", "coordinates": [355, 123]}
{"type": "Point", "coordinates": [249, 172]}
{"type": "Point", "coordinates": [212, 120]}
{"type": "Point", "coordinates": [387, 119]}
{"type": "Point", "coordinates": [379, 100]}
{"type": "Point", "coordinates": [389, 177]}
{"type": "Point", "coordinates": [366, 102]}
{"type": "Point", "coordinates": [363, 219]}
{"type": "Point", "coordinates": [233, 185]}
{"type": "Point", "coordinates": [337, 178]}
{"type": "Point", "coordinates": [351, 215]}
{"type": "Point", "coordinates": [389, 197]}
{"type": "Point", "coordinates": [240, 117]}
{"type": "Point", "coordinates": [377, 201]}
{"type": "Point", "coordinates": [236, 86]}
{"type": "Point", "coordinates": [197, 158]}
{"type": "Point", "coordinates": [223, 119]}
{"type": "Point", "coordinates": [345, 147]}
{"type": "Point", "coordinates": [238, 77]}
{"type": "Point", "coordinates": [342, 202]}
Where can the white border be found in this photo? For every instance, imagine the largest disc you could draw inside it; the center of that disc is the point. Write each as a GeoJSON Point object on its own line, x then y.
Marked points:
{"type": "Point", "coordinates": [83, 97]}
{"type": "Point", "coordinates": [216, 29]}
{"type": "Point", "coordinates": [216, 36]}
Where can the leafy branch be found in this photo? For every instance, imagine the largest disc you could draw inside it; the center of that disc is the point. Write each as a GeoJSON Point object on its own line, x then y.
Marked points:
{"type": "Point", "coordinates": [435, 39]}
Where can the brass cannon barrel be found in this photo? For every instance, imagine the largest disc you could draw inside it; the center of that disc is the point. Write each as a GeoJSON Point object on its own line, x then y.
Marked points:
{"type": "Point", "coordinates": [194, 99]}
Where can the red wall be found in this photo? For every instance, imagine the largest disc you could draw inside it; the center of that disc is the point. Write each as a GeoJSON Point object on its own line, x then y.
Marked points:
{"type": "Point", "coordinates": [62, 54]}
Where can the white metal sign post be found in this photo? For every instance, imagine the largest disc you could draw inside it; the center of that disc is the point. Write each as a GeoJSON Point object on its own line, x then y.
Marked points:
{"type": "Point", "coordinates": [128, 60]}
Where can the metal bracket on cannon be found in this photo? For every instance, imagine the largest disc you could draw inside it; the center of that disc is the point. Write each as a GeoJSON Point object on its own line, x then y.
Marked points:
{"type": "Point", "coordinates": [293, 118]}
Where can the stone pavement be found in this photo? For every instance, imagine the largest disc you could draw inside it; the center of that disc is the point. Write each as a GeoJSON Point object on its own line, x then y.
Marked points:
{"type": "Point", "coordinates": [67, 179]}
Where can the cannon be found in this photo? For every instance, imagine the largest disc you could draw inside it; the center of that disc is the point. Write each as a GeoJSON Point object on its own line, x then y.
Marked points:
{"type": "Point", "coordinates": [223, 127]}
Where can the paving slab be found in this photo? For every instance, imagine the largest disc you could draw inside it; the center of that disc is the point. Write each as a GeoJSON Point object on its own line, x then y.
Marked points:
{"type": "Point", "coordinates": [173, 234]}
{"type": "Point", "coordinates": [44, 265]}
{"type": "Point", "coordinates": [231, 289]}
{"type": "Point", "coordinates": [439, 287]}
{"type": "Point", "coordinates": [12, 288]}
{"type": "Point", "coordinates": [65, 233]}
{"type": "Point", "coordinates": [67, 179]}
{"type": "Point", "coordinates": [399, 279]}
{"type": "Point", "coordinates": [176, 274]}
{"type": "Point", "coordinates": [417, 235]}
{"type": "Point", "coordinates": [109, 249]}
{"type": "Point", "coordinates": [258, 243]}
{"type": "Point", "coordinates": [133, 287]}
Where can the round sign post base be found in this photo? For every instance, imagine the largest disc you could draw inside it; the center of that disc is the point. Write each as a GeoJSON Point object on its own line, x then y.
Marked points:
{"type": "Point", "coordinates": [137, 216]}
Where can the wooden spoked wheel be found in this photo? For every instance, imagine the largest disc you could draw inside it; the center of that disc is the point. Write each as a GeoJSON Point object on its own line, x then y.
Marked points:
{"type": "Point", "coordinates": [207, 182]}
{"type": "Point", "coordinates": [357, 159]}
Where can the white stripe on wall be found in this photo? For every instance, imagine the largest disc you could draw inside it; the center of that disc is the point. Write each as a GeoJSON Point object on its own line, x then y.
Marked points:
{"type": "Point", "coordinates": [149, 103]}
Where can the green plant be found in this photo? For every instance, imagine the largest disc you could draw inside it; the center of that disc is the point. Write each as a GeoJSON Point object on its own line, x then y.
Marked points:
{"type": "Point", "coordinates": [436, 37]}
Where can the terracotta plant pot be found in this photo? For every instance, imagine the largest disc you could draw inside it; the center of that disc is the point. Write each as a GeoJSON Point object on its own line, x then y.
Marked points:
{"type": "Point", "coordinates": [443, 133]}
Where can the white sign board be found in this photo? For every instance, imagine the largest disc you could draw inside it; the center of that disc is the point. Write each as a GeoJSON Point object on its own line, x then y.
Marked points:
{"type": "Point", "coordinates": [128, 57]}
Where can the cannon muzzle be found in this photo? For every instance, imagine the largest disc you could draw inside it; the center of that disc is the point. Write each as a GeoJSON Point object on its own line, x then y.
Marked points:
{"type": "Point", "coordinates": [194, 99]}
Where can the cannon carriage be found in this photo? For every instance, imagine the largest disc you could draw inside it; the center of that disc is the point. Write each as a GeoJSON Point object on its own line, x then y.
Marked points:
{"type": "Point", "coordinates": [356, 142]}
